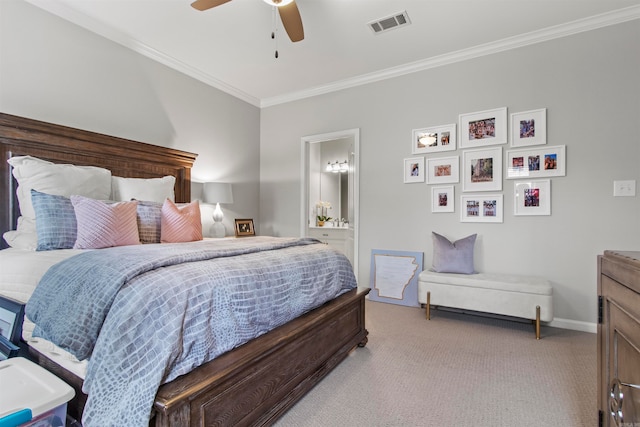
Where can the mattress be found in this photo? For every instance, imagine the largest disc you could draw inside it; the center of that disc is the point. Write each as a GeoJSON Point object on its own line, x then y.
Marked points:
{"type": "Point", "coordinates": [21, 272]}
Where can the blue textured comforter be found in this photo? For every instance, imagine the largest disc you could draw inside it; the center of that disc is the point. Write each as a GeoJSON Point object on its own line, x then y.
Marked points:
{"type": "Point", "coordinates": [150, 313]}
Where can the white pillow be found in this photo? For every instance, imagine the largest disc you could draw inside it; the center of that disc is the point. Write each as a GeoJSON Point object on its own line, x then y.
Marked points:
{"type": "Point", "coordinates": [24, 237]}
{"type": "Point", "coordinates": [57, 179]}
{"type": "Point", "coordinates": [146, 189]}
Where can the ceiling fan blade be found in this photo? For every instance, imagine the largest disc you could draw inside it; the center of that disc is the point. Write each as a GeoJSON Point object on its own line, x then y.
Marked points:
{"type": "Point", "coordinates": [207, 4]}
{"type": "Point", "coordinates": [292, 22]}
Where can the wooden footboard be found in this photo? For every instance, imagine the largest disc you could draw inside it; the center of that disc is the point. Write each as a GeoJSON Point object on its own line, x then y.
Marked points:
{"type": "Point", "coordinates": [256, 383]}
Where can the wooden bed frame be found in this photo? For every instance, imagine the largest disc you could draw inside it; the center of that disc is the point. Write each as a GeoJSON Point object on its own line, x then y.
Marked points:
{"type": "Point", "coordinates": [251, 385]}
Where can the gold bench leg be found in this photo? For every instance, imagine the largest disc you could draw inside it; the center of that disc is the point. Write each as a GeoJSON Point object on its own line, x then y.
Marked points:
{"type": "Point", "coordinates": [428, 305]}
{"type": "Point", "coordinates": [537, 322]}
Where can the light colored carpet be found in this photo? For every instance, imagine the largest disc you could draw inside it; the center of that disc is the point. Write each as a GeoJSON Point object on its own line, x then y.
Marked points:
{"type": "Point", "coordinates": [456, 370]}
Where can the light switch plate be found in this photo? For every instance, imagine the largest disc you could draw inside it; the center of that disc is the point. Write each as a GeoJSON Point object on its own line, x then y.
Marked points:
{"type": "Point", "coordinates": [624, 188]}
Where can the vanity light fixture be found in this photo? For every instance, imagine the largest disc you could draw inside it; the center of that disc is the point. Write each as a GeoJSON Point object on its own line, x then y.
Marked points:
{"type": "Point", "coordinates": [337, 167]}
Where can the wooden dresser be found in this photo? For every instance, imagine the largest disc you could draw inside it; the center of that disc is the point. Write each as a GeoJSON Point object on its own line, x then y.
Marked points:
{"type": "Point", "coordinates": [619, 338]}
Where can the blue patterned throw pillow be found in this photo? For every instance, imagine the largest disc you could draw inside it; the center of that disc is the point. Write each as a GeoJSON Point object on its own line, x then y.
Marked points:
{"type": "Point", "coordinates": [56, 224]}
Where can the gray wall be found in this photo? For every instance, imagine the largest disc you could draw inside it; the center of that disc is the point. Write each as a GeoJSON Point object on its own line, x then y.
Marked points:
{"type": "Point", "coordinates": [589, 84]}
{"type": "Point", "coordinates": [55, 71]}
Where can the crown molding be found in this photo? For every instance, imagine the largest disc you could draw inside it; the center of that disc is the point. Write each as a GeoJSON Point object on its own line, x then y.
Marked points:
{"type": "Point", "coordinates": [587, 24]}
{"type": "Point", "coordinates": [526, 39]}
{"type": "Point", "coordinates": [63, 11]}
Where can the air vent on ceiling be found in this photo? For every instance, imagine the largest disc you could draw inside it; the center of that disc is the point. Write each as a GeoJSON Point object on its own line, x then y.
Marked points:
{"type": "Point", "coordinates": [387, 23]}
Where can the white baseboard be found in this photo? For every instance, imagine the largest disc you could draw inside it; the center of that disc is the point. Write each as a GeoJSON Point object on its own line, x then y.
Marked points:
{"type": "Point", "coordinates": [574, 325]}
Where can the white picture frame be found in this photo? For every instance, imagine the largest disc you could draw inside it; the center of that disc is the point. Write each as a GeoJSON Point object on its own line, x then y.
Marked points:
{"type": "Point", "coordinates": [443, 170]}
{"type": "Point", "coordinates": [413, 170]}
{"type": "Point", "coordinates": [538, 162]}
{"type": "Point", "coordinates": [529, 128]}
{"type": "Point", "coordinates": [434, 139]}
{"type": "Point", "coordinates": [442, 199]}
{"type": "Point", "coordinates": [483, 128]}
{"type": "Point", "coordinates": [532, 197]}
{"type": "Point", "coordinates": [481, 208]}
{"type": "Point", "coordinates": [482, 169]}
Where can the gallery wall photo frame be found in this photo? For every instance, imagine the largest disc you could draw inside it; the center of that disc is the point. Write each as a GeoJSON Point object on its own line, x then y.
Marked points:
{"type": "Point", "coordinates": [483, 128]}
{"type": "Point", "coordinates": [413, 170]}
{"type": "Point", "coordinates": [244, 227]}
{"type": "Point", "coordinates": [539, 162]}
{"type": "Point", "coordinates": [532, 197]}
{"type": "Point", "coordinates": [481, 207]}
{"type": "Point", "coordinates": [434, 139]}
{"type": "Point", "coordinates": [443, 170]}
{"type": "Point", "coordinates": [442, 199]}
{"type": "Point", "coordinates": [482, 169]}
{"type": "Point", "coordinates": [529, 128]}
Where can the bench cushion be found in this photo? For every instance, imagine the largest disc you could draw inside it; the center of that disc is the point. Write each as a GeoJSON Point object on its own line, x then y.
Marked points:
{"type": "Point", "coordinates": [505, 282]}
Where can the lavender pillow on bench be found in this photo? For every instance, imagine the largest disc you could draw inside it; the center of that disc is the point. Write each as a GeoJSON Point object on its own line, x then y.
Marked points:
{"type": "Point", "coordinates": [456, 257]}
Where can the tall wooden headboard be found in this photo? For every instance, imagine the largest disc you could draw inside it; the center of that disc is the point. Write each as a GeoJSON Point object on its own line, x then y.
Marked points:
{"type": "Point", "coordinates": [20, 136]}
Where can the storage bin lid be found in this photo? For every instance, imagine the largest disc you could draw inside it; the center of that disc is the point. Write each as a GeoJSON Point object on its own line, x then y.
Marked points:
{"type": "Point", "coordinates": [27, 385]}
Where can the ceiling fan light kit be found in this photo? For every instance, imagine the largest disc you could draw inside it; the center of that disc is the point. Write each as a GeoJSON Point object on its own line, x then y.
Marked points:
{"type": "Point", "coordinates": [278, 3]}
{"type": "Point", "coordinates": [288, 10]}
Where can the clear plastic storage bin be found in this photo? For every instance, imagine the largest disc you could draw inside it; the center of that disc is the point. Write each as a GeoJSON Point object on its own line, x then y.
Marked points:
{"type": "Point", "coordinates": [31, 396]}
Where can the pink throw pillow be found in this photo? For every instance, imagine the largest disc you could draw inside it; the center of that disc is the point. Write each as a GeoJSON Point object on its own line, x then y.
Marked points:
{"type": "Point", "coordinates": [104, 225]}
{"type": "Point", "coordinates": [180, 224]}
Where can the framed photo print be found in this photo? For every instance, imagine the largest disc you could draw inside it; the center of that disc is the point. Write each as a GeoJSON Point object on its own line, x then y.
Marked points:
{"type": "Point", "coordinates": [529, 128]}
{"type": "Point", "coordinates": [433, 139]}
{"type": "Point", "coordinates": [532, 197]}
{"type": "Point", "coordinates": [244, 227]}
{"type": "Point", "coordinates": [483, 128]}
{"type": "Point", "coordinates": [482, 169]}
{"type": "Point", "coordinates": [536, 162]}
{"type": "Point", "coordinates": [443, 170]}
{"type": "Point", "coordinates": [481, 208]}
{"type": "Point", "coordinates": [414, 169]}
{"type": "Point", "coordinates": [11, 317]}
{"type": "Point", "coordinates": [442, 199]}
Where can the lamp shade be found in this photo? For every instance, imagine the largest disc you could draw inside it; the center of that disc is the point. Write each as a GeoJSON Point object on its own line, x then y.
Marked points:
{"type": "Point", "coordinates": [217, 192]}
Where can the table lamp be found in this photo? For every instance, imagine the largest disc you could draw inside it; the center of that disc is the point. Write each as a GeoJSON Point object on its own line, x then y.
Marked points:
{"type": "Point", "coordinates": [217, 192]}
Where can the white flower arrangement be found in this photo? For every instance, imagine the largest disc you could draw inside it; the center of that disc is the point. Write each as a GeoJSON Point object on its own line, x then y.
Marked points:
{"type": "Point", "coordinates": [322, 208]}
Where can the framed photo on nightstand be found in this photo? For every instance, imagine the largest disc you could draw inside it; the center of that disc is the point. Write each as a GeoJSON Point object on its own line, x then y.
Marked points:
{"type": "Point", "coordinates": [244, 227]}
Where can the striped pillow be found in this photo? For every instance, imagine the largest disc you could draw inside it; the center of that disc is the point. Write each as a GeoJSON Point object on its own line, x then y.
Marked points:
{"type": "Point", "coordinates": [55, 221]}
{"type": "Point", "coordinates": [103, 225]}
{"type": "Point", "coordinates": [180, 224]}
{"type": "Point", "coordinates": [149, 221]}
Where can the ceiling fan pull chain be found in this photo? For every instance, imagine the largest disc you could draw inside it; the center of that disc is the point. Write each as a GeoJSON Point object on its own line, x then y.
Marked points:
{"type": "Point", "coordinates": [275, 29]}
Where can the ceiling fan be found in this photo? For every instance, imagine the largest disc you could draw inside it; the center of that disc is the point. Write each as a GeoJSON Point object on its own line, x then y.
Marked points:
{"type": "Point", "coordinates": [289, 14]}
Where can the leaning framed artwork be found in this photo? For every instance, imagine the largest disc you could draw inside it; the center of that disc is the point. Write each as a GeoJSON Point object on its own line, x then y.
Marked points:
{"type": "Point", "coordinates": [433, 139]}
{"type": "Point", "coordinates": [529, 128]}
{"type": "Point", "coordinates": [244, 227]}
{"type": "Point", "coordinates": [483, 128]}
{"type": "Point", "coordinates": [536, 162]}
{"type": "Point", "coordinates": [394, 276]}
{"type": "Point", "coordinates": [481, 208]}
{"type": "Point", "coordinates": [414, 169]}
{"type": "Point", "coordinates": [532, 197]}
{"type": "Point", "coordinates": [482, 169]}
{"type": "Point", "coordinates": [442, 199]}
{"type": "Point", "coordinates": [443, 170]}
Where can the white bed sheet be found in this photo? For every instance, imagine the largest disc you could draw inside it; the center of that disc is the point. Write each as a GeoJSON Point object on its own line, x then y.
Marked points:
{"type": "Point", "coordinates": [21, 271]}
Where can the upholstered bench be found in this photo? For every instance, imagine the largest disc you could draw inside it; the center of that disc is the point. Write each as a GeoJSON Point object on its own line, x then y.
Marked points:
{"type": "Point", "coordinates": [510, 295]}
